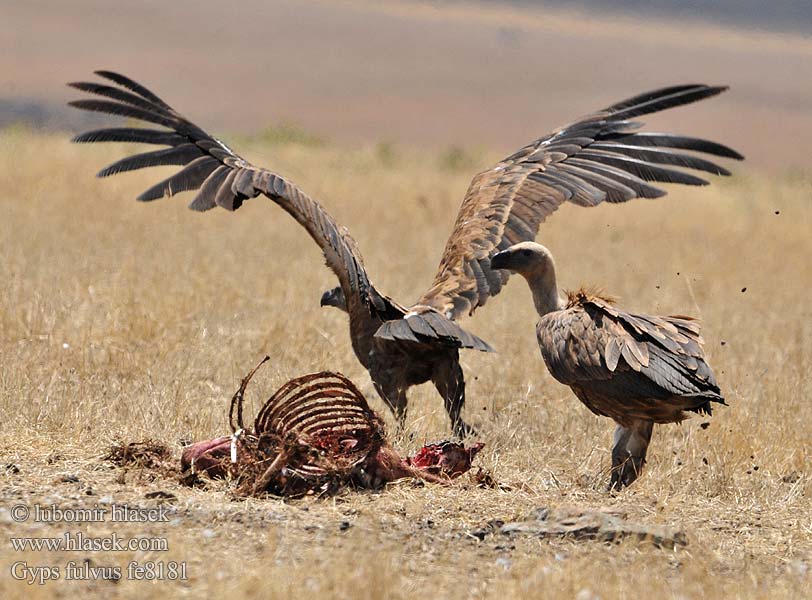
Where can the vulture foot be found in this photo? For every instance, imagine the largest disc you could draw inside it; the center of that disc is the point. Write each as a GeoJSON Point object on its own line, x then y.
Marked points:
{"type": "Point", "coordinates": [629, 452]}
{"type": "Point", "coordinates": [626, 472]}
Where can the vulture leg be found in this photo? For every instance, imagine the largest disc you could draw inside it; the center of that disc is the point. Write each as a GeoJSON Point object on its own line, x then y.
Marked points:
{"type": "Point", "coordinates": [450, 382]}
{"type": "Point", "coordinates": [629, 452]}
{"type": "Point", "coordinates": [394, 396]}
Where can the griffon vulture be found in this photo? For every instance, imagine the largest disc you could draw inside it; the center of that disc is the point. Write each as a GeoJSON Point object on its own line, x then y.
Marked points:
{"type": "Point", "coordinates": [597, 158]}
{"type": "Point", "coordinates": [637, 369]}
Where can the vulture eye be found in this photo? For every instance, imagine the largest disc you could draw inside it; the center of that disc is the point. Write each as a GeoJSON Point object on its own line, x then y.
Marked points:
{"type": "Point", "coordinates": [525, 252]}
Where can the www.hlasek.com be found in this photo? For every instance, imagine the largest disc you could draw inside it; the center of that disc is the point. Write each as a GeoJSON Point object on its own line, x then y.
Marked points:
{"type": "Point", "coordinates": [79, 541]}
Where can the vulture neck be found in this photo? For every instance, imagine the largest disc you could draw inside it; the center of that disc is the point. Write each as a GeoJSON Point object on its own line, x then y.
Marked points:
{"type": "Point", "coordinates": [544, 287]}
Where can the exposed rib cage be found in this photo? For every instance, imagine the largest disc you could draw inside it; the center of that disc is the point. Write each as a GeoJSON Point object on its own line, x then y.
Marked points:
{"type": "Point", "coordinates": [320, 422]}
{"type": "Point", "coordinates": [316, 434]}
{"type": "Point", "coordinates": [315, 405]}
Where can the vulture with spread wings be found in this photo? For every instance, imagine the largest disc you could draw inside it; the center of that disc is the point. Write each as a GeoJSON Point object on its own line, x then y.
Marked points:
{"type": "Point", "coordinates": [598, 158]}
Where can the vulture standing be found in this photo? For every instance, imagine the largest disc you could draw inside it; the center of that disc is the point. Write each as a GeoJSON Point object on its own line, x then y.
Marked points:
{"type": "Point", "coordinates": [597, 158]}
{"type": "Point", "coordinates": [637, 369]}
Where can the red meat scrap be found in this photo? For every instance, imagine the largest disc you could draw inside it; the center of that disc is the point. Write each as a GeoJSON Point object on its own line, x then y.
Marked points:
{"type": "Point", "coordinates": [316, 434]}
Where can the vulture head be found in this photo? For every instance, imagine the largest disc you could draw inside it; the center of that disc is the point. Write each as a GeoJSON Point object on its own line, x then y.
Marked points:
{"type": "Point", "coordinates": [525, 258]}
{"type": "Point", "coordinates": [535, 263]}
{"type": "Point", "coordinates": [334, 297]}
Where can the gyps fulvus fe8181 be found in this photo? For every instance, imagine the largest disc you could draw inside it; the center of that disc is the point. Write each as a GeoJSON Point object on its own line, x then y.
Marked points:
{"type": "Point", "coordinates": [597, 158]}
{"type": "Point", "coordinates": [637, 369]}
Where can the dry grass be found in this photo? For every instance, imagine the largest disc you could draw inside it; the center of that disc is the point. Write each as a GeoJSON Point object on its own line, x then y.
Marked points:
{"type": "Point", "coordinates": [124, 321]}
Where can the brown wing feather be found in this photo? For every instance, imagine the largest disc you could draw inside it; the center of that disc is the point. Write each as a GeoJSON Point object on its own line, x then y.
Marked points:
{"type": "Point", "coordinates": [595, 159]}
{"type": "Point", "coordinates": [479, 229]}
{"type": "Point", "coordinates": [224, 178]}
{"type": "Point", "coordinates": [612, 358]}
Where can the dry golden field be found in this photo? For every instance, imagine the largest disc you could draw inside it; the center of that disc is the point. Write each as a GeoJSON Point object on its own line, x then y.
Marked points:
{"type": "Point", "coordinates": [121, 321]}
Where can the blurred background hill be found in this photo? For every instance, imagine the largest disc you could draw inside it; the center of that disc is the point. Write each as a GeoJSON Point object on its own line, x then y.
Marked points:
{"type": "Point", "coordinates": [493, 75]}
{"type": "Point", "coordinates": [777, 15]}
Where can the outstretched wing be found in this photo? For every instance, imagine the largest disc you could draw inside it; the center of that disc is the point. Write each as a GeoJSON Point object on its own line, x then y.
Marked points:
{"type": "Point", "coordinates": [221, 177]}
{"type": "Point", "coordinates": [598, 158]}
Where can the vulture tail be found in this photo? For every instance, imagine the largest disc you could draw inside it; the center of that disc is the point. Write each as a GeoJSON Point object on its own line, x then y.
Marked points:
{"type": "Point", "coordinates": [431, 327]}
